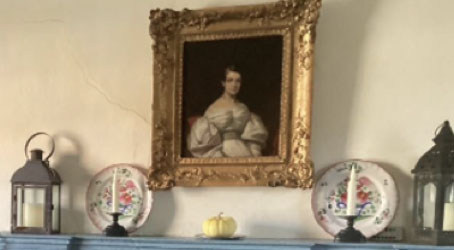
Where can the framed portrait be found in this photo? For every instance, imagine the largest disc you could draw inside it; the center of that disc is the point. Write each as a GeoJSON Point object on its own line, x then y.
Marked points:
{"type": "Point", "coordinates": [232, 95]}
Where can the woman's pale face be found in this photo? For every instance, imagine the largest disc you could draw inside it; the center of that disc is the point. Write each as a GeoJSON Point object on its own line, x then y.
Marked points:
{"type": "Point", "coordinates": [232, 83]}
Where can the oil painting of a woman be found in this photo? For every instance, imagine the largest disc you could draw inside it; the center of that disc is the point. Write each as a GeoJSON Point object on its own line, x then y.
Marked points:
{"type": "Point", "coordinates": [231, 98]}
{"type": "Point", "coordinates": [228, 128]}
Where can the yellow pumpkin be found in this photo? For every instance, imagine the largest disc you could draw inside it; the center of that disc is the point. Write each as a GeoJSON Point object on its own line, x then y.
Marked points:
{"type": "Point", "coordinates": [219, 227]}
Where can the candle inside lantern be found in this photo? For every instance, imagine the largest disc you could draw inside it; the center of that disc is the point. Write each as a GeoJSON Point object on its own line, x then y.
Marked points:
{"type": "Point", "coordinates": [351, 193]}
{"type": "Point", "coordinates": [115, 194]}
{"type": "Point", "coordinates": [448, 211]}
{"type": "Point", "coordinates": [448, 217]}
{"type": "Point", "coordinates": [33, 215]}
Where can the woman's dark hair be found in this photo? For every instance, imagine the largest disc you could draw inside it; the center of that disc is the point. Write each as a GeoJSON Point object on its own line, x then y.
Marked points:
{"type": "Point", "coordinates": [230, 67]}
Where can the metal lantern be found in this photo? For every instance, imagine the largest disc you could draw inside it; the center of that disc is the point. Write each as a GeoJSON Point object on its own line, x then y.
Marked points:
{"type": "Point", "coordinates": [35, 196]}
{"type": "Point", "coordinates": [433, 191]}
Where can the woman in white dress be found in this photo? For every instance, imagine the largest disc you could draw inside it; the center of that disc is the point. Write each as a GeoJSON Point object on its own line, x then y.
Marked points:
{"type": "Point", "coordinates": [228, 128]}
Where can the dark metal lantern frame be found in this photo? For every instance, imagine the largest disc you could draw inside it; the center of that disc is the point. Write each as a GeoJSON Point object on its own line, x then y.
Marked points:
{"type": "Point", "coordinates": [435, 167]}
{"type": "Point", "coordinates": [36, 174]}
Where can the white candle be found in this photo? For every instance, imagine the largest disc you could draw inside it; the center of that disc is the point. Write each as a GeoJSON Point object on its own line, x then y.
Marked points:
{"type": "Point", "coordinates": [448, 217]}
{"type": "Point", "coordinates": [33, 215]}
{"type": "Point", "coordinates": [115, 194]}
{"type": "Point", "coordinates": [351, 193]}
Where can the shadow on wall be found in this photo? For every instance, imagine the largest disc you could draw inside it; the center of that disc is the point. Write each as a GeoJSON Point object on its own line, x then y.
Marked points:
{"type": "Point", "coordinates": [75, 181]}
{"type": "Point", "coordinates": [161, 215]}
{"type": "Point", "coordinates": [404, 212]}
{"type": "Point", "coordinates": [341, 30]}
{"type": "Point", "coordinates": [273, 230]}
{"type": "Point", "coordinates": [72, 171]}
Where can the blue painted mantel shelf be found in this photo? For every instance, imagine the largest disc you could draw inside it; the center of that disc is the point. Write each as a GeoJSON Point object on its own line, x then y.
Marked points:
{"type": "Point", "coordinates": [90, 242]}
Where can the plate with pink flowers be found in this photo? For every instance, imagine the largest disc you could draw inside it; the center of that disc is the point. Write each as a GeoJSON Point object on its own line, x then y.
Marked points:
{"type": "Point", "coordinates": [135, 199]}
{"type": "Point", "coordinates": [376, 197]}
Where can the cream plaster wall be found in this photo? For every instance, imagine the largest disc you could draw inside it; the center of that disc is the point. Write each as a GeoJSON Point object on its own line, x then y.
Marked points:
{"type": "Point", "coordinates": [82, 71]}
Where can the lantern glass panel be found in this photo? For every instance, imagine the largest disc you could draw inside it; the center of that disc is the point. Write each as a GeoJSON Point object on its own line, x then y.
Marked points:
{"type": "Point", "coordinates": [448, 209]}
{"type": "Point", "coordinates": [419, 206]}
{"type": "Point", "coordinates": [33, 207]}
{"type": "Point", "coordinates": [56, 208]}
{"type": "Point", "coordinates": [19, 205]}
{"type": "Point", "coordinates": [430, 192]}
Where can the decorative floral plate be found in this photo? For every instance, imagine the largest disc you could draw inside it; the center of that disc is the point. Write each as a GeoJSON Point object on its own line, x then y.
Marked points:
{"type": "Point", "coordinates": [377, 198]}
{"type": "Point", "coordinates": [135, 198]}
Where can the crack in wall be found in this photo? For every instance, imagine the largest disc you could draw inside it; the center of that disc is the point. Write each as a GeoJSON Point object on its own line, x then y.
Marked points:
{"type": "Point", "coordinates": [88, 79]}
{"type": "Point", "coordinates": [92, 83]}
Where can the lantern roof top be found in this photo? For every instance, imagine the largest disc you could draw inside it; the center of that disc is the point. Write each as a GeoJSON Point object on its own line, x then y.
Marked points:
{"type": "Point", "coordinates": [440, 158]}
{"type": "Point", "coordinates": [445, 135]}
{"type": "Point", "coordinates": [36, 171]}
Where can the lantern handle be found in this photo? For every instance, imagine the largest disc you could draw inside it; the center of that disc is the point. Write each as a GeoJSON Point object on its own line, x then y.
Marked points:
{"type": "Point", "coordinates": [438, 128]}
{"type": "Point", "coordinates": [33, 136]}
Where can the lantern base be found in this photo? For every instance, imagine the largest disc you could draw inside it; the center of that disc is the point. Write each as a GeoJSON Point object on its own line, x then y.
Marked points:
{"type": "Point", "coordinates": [115, 229]}
{"type": "Point", "coordinates": [429, 236]}
{"type": "Point", "coordinates": [350, 234]}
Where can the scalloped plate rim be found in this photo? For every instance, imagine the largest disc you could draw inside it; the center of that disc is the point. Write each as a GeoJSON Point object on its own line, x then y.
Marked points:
{"type": "Point", "coordinates": [394, 198]}
{"type": "Point", "coordinates": [146, 207]}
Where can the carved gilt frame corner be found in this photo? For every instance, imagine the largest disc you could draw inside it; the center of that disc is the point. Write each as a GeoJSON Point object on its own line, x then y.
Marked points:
{"type": "Point", "coordinates": [295, 22]}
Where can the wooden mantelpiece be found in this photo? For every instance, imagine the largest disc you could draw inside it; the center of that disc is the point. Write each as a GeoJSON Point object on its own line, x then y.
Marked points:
{"type": "Point", "coordinates": [92, 242]}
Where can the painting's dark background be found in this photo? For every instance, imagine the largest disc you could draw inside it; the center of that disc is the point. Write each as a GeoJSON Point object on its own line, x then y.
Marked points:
{"type": "Point", "coordinates": [258, 59]}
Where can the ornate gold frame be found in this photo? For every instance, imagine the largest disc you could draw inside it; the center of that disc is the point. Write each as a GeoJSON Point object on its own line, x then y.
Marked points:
{"type": "Point", "coordinates": [295, 21]}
